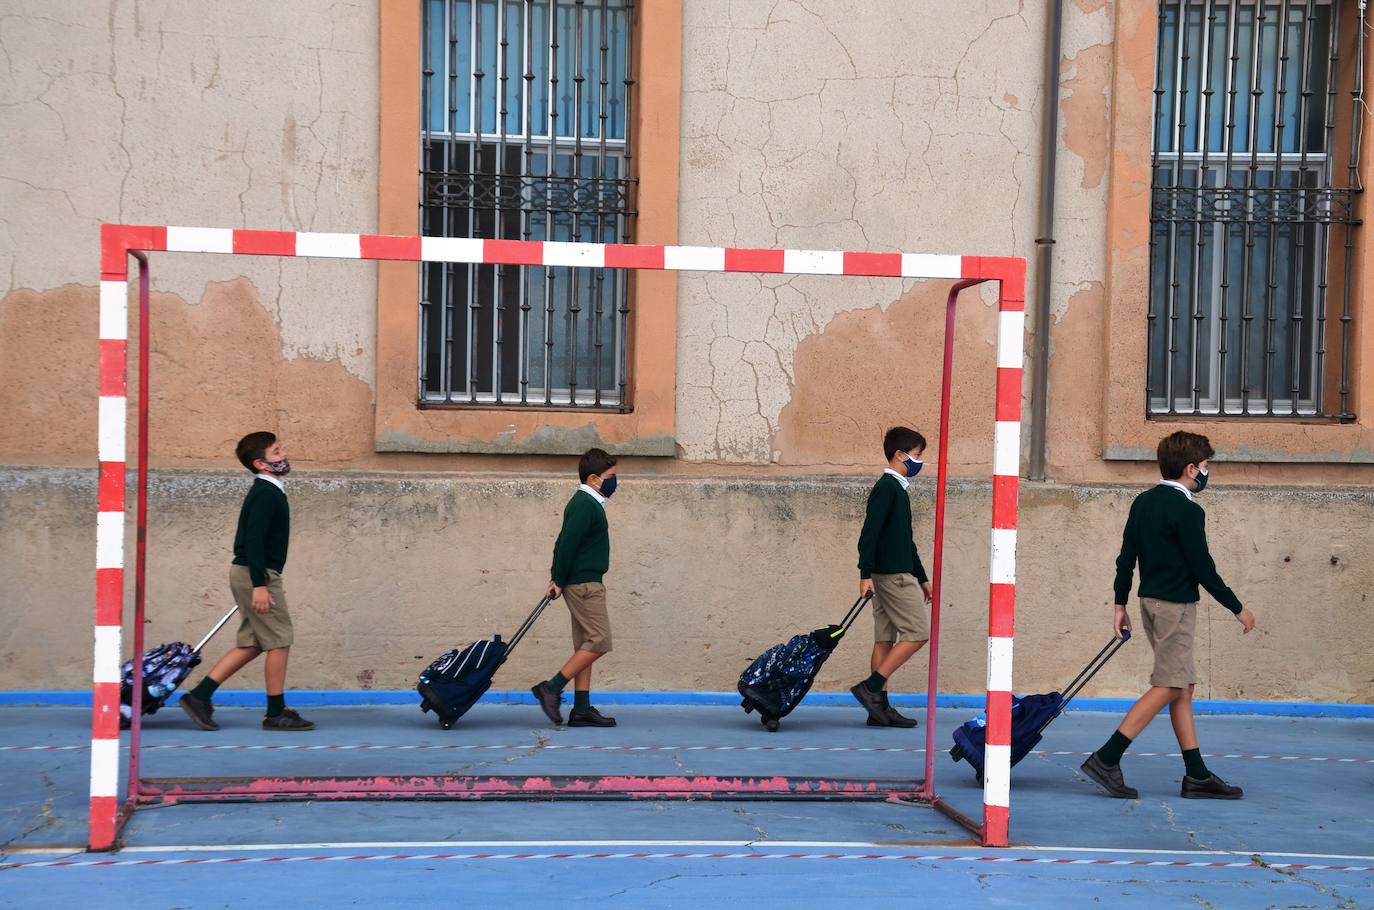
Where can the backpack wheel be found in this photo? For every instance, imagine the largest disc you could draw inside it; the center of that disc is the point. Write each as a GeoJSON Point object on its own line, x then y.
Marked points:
{"type": "Point", "coordinates": [771, 725]}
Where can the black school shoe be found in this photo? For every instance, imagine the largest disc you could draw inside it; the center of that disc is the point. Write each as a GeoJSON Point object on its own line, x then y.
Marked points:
{"type": "Point", "coordinates": [1109, 778]}
{"type": "Point", "coordinates": [873, 703]}
{"type": "Point", "coordinates": [287, 720]}
{"type": "Point", "coordinates": [894, 718]}
{"type": "Point", "coordinates": [199, 710]}
{"type": "Point", "coordinates": [589, 718]}
{"type": "Point", "coordinates": [550, 701]}
{"type": "Point", "coordinates": [1211, 788]}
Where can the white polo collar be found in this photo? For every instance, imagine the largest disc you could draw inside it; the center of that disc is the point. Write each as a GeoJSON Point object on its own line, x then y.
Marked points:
{"type": "Point", "coordinates": [585, 488]}
{"type": "Point", "coordinates": [904, 481]}
{"type": "Point", "coordinates": [1174, 483]}
{"type": "Point", "coordinates": [273, 479]}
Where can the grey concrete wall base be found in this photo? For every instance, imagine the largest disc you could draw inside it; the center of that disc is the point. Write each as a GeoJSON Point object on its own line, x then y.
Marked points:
{"type": "Point", "coordinates": [386, 571]}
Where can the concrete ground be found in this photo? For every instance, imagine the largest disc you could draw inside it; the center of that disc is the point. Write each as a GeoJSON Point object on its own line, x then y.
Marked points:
{"type": "Point", "coordinates": [1303, 836]}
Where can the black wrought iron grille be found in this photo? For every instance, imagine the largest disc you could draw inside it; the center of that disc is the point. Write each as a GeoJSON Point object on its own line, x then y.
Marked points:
{"type": "Point", "coordinates": [1250, 237]}
{"type": "Point", "coordinates": [525, 135]}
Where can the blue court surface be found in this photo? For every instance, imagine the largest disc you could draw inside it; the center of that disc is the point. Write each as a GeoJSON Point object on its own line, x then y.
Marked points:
{"type": "Point", "coordinates": [1302, 837]}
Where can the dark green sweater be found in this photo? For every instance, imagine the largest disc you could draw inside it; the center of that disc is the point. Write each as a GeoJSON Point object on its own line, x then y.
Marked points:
{"type": "Point", "coordinates": [1166, 533]}
{"type": "Point", "coordinates": [885, 543]}
{"type": "Point", "coordinates": [582, 552]}
{"type": "Point", "coordinates": [264, 531]}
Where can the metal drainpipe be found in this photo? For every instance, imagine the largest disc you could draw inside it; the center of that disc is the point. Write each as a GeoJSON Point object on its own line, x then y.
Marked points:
{"type": "Point", "coordinates": [1044, 243]}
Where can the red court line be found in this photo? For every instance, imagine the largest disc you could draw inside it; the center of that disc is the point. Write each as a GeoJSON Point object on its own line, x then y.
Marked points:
{"type": "Point", "coordinates": [571, 747]}
{"type": "Point", "coordinates": [882, 857]}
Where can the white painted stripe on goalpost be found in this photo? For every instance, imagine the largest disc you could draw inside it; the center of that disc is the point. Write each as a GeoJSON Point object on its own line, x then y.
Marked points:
{"type": "Point", "coordinates": [104, 767]}
{"type": "Point", "coordinates": [926, 265]}
{"type": "Point", "coordinates": [694, 258]}
{"type": "Point", "coordinates": [584, 255]}
{"type": "Point", "coordinates": [999, 663]}
{"type": "Point", "coordinates": [111, 428]}
{"type": "Point", "coordinates": [199, 240]}
{"type": "Point", "coordinates": [1006, 448]}
{"type": "Point", "coordinates": [114, 311]}
{"type": "Point", "coordinates": [332, 246]}
{"type": "Point", "coordinates": [997, 776]}
{"type": "Point", "coordinates": [1011, 343]}
{"type": "Point", "coordinates": [1002, 569]}
{"type": "Point", "coordinates": [107, 642]}
{"type": "Point", "coordinates": [813, 262]}
{"type": "Point", "coordinates": [109, 540]}
{"type": "Point", "coordinates": [451, 249]}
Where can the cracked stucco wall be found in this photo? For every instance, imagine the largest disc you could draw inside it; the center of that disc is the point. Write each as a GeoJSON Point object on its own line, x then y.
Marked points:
{"type": "Point", "coordinates": [851, 125]}
{"type": "Point", "coordinates": [254, 114]}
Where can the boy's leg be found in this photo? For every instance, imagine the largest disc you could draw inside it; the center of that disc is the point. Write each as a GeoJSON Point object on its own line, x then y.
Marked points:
{"type": "Point", "coordinates": [901, 627]}
{"type": "Point", "coordinates": [196, 702]}
{"type": "Point", "coordinates": [1169, 628]}
{"type": "Point", "coordinates": [1198, 781]}
{"type": "Point", "coordinates": [233, 661]}
{"type": "Point", "coordinates": [591, 635]}
{"type": "Point", "coordinates": [1181, 716]}
{"type": "Point", "coordinates": [276, 635]}
{"type": "Point", "coordinates": [274, 673]}
{"type": "Point", "coordinates": [902, 651]}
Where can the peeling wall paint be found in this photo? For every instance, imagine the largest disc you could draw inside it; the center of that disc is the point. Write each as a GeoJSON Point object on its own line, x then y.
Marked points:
{"type": "Point", "coordinates": [254, 114]}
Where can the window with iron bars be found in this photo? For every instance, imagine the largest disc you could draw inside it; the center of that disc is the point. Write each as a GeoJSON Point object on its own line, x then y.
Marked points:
{"type": "Point", "coordinates": [525, 135]}
{"type": "Point", "coordinates": [1250, 237]}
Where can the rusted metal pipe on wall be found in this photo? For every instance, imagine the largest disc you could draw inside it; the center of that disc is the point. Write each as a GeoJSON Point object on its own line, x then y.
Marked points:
{"type": "Point", "coordinates": [1044, 243]}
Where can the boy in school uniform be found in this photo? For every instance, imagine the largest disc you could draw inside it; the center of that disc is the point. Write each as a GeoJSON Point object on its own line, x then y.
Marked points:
{"type": "Point", "coordinates": [581, 556]}
{"type": "Point", "coordinates": [1166, 533]}
{"type": "Point", "coordinates": [890, 571]}
{"type": "Point", "coordinates": [260, 544]}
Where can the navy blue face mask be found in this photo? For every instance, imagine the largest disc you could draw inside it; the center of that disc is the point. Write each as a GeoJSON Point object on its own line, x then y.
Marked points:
{"type": "Point", "coordinates": [608, 485]}
{"type": "Point", "coordinates": [913, 467]}
{"type": "Point", "coordinates": [1201, 481]}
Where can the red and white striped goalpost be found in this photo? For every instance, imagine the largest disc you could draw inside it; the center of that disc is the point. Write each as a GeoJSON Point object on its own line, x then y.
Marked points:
{"type": "Point", "coordinates": [119, 242]}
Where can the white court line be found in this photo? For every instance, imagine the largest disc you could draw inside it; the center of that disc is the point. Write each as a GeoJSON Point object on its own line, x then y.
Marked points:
{"type": "Point", "coordinates": [788, 844]}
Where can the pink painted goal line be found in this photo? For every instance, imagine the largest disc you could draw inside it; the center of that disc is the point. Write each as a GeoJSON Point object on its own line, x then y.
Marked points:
{"type": "Point", "coordinates": [119, 241]}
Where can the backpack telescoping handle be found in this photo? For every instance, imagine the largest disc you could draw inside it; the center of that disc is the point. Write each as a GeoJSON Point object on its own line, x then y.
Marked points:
{"type": "Point", "coordinates": [854, 612]}
{"type": "Point", "coordinates": [527, 624]}
{"type": "Point", "coordinates": [1087, 673]}
{"type": "Point", "coordinates": [211, 634]}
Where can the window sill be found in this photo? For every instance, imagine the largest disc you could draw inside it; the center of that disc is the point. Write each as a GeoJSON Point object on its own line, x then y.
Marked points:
{"type": "Point", "coordinates": [1249, 456]}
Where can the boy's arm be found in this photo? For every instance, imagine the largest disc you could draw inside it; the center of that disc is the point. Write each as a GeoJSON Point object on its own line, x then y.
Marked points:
{"type": "Point", "coordinates": [256, 524]}
{"type": "Point", "coordinates": [1193, 539]}
{"type": "Point", "coordinates": [879, 501]}
{"type": "Point", "coordinates": [1125, 562]}
{"type": "Point", "coordinates": [575, 525]}
{"type": "Point", "coordinates": [920, 569]}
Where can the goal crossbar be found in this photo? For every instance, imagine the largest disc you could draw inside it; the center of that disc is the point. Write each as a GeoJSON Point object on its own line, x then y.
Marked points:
{"type": "Point", "coordinates": [120, 242]}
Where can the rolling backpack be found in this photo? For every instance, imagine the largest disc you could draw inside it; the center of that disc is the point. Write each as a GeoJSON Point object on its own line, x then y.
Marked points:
{"type": "Point", "coordinates": [457, 680]}
{"type": "Point", "coordinates": [1030, 715]}
{"type": "Point", "coordinates": [779, 678]}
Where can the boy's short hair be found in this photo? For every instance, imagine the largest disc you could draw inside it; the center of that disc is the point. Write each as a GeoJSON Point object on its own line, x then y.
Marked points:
{"type": "Point", "coordinates": [902, 439]}
{"type": "Point", "coordinates": [253, 447]}
{"type": "Point", "coordinates": [594, 461]}
{"type": "Point", "coordinates": [1178, 450]}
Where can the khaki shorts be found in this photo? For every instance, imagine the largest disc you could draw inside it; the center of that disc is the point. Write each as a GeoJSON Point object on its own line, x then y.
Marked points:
{"type": "Point", "coordinates": [1169, 627]}
{"type": "Point", "coordinates": [899, 609]}
{"type": "Point", "coordinates": [270, 630]}
{"type": "Point", "coordinates": [591, 626]}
